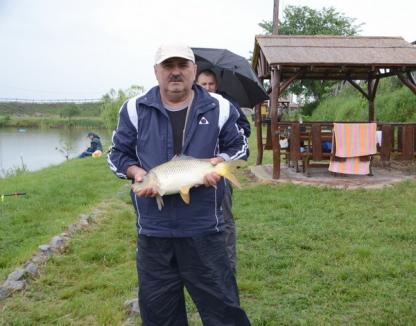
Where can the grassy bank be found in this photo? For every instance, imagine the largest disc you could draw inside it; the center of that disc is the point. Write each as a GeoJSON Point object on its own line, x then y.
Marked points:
{"type": "Point", "coordinates": [55, 197]}
{"type": "Point", "coordinates": [306, 255]}
{"type": "Point", "coordinates": [89, 283]}
{"type": "Point", "coordinates": [52, 122]}
{"type": "Point", "coordinates": [394, 103]}
{"type": "Point", "coordinates": [50, 115]}
{"type": "Point", "coordinates": [49, 109]}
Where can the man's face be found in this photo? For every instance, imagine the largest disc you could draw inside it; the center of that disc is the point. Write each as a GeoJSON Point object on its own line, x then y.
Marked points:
{"type": "Point", "coordinates": [208, 82]}
{"type": "Point", "coordinates": [175, 77]}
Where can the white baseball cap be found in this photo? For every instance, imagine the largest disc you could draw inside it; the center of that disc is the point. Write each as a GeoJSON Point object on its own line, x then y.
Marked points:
{"type": "Point", "coordinates": [174, 50]}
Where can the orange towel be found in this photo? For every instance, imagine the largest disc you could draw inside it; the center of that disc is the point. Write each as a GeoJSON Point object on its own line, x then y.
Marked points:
{"type": "Point", "coordinates": [353, 140]}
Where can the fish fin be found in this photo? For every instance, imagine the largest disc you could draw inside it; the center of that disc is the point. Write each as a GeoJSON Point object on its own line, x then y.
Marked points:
{"type": "Point", "coordinates": [159, 201]}
{"type": "Point", "coordinates": [184, 192]}
{"type": "Point", "coordinates": [227, 168]}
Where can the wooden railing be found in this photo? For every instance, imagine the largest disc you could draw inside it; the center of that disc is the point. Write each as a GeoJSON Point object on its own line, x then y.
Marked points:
{"type": "Point", "coordinates": [398, 142]}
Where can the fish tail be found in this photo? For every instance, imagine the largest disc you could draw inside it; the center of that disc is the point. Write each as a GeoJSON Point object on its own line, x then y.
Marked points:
{"type": "Point", "coordinates": [227, 168]}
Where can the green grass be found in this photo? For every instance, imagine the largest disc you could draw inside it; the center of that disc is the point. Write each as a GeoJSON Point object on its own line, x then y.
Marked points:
{"type": "Point", "coordinates": [46, 115]}
{"type": "Point", "coordinates": [306, 255]}
{"type": "Point", "coordinates": [323, 256]}
{"type": "Point", "coordinates": [55, 198]}
{"type": "Point", "coordinates": [89, 283]}
{"type": "Point", "coordinates": [52, 122]}
{"type": "Point", "coordinates": [394, 102]}
{"type": "Point", "coordinates": [48, 109]}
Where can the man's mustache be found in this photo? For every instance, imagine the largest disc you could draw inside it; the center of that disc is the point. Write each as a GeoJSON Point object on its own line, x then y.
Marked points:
{"type": "Point", "coordinates": [175, 78]}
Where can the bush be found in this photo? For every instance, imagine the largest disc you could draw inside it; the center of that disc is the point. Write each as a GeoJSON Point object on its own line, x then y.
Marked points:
{"type": "Point", "coordinates": [4, 119]}
{"type": "Point", "coordinates": [112, 101]}
{"type": "Point", "coordinates": [394, 103]}
{"type": "Point", "coordinates": [70, 110]}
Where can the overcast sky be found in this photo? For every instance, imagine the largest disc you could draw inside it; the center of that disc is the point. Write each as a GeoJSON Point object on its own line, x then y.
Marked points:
{"type": "Point", "coordinates": [75, 49]}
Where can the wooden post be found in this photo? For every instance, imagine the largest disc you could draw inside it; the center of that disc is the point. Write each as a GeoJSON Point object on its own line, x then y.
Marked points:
{"type": "Point", "coordinates": [275, 28]}
{"type": "Point", "coordinates": [259, 135]}
{"type": "Point", "coordinates": [407, 141]}
{"type": "Point", "coordinates": [408, 81]}
{"type": "Point", "coordinates": [372, 89]}
{"type": "Point", "coordinates": [275, 83]}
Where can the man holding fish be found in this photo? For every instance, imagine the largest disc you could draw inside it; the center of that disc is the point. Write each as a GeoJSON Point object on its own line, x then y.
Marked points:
{"type": "Point", "coordinates": [176, 143]}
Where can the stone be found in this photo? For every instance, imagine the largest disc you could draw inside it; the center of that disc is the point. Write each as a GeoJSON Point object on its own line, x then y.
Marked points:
{"type": "Point", "coordinates": [93, 216]}
{"type": "Point", "coordinates": [15, 285]}
{"type": "Point", "coordinates": [132, 306]}
{"type": "Point", "coordinates": [32, 268]}
{"type": "Point", "coordinates": [45, 248]}
{"type": "Point", "coordinates": [73, 228]}
{"type": "Point", "coordinates": [16, 275]}
{"type": "Point", "coordinates": [85, 219]}
{"type": "Point", "coordinates": [84, 222]}
{"type": "Point", "coordinates": [39, 258]}
{"type": "Point", "coordinates": [83, 216]}
{"type": "Point", "coordinates": [57, 242]}
{"type": "Point", "coordinates": [4, 292]}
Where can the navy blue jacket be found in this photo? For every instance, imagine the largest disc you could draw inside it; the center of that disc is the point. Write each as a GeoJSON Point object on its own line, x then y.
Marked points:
{"type": "Point", "coordinates": [144, 137]}
{"type": "Point", "coordinates": [95, 145]}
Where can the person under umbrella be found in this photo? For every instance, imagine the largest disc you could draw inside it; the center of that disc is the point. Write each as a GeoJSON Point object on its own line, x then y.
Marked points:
{"type": "Point", "coordinates": [208, 80]}
{"type": "Point", "coordinates": [235, 76]}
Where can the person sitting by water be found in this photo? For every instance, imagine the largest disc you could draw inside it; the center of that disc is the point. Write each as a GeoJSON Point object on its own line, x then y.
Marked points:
{"type": "Point", "coordinates": [94, 146]}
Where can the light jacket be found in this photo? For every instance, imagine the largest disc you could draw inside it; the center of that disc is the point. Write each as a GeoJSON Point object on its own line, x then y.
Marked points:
{"type": "Point", "coordinates": [144, 137]}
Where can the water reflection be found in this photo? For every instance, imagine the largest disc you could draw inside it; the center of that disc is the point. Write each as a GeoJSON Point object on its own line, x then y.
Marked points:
{"type": "Point", "coordinates": [39, 148]}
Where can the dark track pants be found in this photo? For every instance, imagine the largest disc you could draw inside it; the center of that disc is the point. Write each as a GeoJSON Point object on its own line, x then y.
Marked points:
{"type": "Point", "coordinates": [166, 265]}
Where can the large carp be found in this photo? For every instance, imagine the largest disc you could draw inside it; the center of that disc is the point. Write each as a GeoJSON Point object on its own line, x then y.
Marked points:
{"type": "Point", "coordinates": [180, 174]}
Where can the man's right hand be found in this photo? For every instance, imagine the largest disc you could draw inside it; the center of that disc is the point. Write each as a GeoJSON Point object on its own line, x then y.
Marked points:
{"type": "Point", "coordinates": [137, 173]}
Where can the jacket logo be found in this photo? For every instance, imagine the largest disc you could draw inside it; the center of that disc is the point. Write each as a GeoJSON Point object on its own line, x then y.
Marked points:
{"type": "Point", "coordinates": [203, 121]}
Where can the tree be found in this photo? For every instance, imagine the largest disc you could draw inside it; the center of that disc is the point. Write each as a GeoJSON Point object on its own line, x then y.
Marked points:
{"type": "Point", "coordinates": [113, 100]}
{"type": "Point", "coordinates": [70, 110]}
{"type": "Point", "coordinates": [304, 20]}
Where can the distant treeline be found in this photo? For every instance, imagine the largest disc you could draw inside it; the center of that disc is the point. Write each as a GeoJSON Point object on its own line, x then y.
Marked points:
{"type": "Point", "coordinates": [54, 115]}
{"type": "Point", "coordinates": [100, 114]}
{"type": "Point", "coordinates": [50, 109]}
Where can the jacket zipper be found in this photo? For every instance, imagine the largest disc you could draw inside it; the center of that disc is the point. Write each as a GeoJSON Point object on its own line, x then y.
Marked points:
{"type": "Point", "coordinates": [186, 120]}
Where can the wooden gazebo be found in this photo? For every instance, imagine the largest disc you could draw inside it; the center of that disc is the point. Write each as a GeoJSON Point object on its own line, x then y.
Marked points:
{"type": "Point", "coordinates": [283, 59]}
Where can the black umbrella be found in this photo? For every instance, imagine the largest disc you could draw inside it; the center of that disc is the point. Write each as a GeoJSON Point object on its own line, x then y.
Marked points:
{"type": "Point", "coordinates": [235, 76]}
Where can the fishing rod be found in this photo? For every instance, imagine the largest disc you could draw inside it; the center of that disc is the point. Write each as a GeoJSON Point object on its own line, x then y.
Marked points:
{"type": "Point", "coordinates": [12, 194]}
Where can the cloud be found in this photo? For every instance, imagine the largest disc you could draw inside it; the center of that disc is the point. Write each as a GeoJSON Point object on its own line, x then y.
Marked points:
{"type": "Point", "coordinates": [78, 48]}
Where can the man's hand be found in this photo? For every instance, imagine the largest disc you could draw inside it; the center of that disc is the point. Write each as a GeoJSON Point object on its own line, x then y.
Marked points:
{"type": "Point", "coordinates": [212, 178]}
{"type": "Point", "coordinates": [136, 173]}
{"type": "Point", "coordinates": [147, 192]}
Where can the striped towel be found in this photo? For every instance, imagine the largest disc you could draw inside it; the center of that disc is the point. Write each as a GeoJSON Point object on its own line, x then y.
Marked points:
{"type": "Point", "coordinates": [353, 140]}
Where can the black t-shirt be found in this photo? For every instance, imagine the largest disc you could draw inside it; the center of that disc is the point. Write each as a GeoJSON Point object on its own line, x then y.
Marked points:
{"type": "Point", "coordinates": [177, 119]}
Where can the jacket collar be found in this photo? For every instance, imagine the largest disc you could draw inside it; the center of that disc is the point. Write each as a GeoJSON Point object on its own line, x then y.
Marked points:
{"type": "Point", "coordinates": [202, 102]}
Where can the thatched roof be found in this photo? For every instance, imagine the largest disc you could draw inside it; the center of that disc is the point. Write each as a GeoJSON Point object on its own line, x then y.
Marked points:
{"type": "Point", "coordinates": [334, 56]}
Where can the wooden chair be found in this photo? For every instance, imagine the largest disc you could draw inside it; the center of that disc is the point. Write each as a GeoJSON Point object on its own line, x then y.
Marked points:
{"type": "Point", "coordinates": [314, 149]}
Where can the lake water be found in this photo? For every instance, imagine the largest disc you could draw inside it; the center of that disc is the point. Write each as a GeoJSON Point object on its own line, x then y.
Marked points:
{"type": "Point", "coordinates": [40, 148]}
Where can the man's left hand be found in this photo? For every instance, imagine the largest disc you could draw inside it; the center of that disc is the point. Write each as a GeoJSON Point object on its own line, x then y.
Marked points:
{"type": "Point", "coordinates": [212, 178]}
